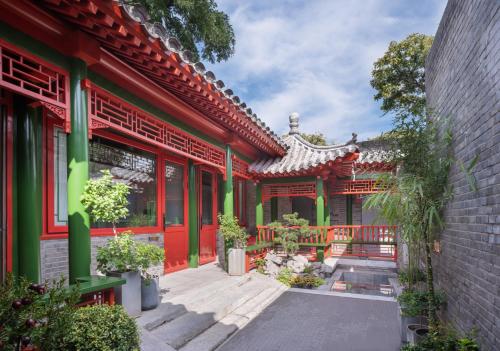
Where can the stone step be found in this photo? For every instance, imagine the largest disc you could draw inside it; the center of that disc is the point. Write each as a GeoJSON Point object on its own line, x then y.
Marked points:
{"type": "Point", "coordinates": [150, 342]}
{"type": "Point", "coordinates": [184, 328]}
{"type": "Point", "coordinates": [179, 305]}
{"type": "Point", "coordinates": [217, 334]}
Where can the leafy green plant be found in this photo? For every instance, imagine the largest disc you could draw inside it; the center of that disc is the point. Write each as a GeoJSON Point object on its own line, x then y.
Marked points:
{"type": "Point", "coordinates": [106, 200]}
{"type": "Point", "coordinates": [118, 255]}
{"type": "Point", "coordinates": [289, 231]}
{"type": "Point", "coordinates": [307, 281]}
{"type": "Point", "coordinates": [308, 269]}
{"type": "Point", "coordinates": [411, 276]}
{"type": "Point", "coordinates": [35, 314]}
{"type": "Point", "coordinates": [104, 328]}
{"type": "Point", "coordinates": [148, 255]}
{"type": "Point", "coordinates": [231, 231]}
{"type": "Point", "coordinates": [285, 276]}
{"type": "Point", "coordinates": [416, 303]}
{"type": "Point", "coordinates": [260, 263]}
{"type": "Point", "coordinates": [443, 340]}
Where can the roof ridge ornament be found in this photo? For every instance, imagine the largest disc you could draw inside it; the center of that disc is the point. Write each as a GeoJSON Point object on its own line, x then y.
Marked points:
{"type": "Point", "coordinates": [294, 123]}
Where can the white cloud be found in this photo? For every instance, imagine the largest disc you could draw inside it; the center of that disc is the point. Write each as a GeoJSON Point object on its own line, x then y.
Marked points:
{"type": "Point", "coordinates": [315, 57]}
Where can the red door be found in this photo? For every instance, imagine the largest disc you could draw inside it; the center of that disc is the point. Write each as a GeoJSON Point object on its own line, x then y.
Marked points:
{"type": "Point", "coordinates": [175, 215]}
{"type": "Point", "coordinates": [208, 215]}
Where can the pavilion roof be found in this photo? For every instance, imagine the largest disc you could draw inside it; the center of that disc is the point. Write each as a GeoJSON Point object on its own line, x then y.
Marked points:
{"type": "Point", "coordinates": [304, 158]}
{"type": "Point", "coordinates": [125, 31]}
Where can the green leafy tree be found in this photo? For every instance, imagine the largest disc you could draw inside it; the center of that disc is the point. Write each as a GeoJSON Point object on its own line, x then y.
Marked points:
{"type": "Point", "coordinates": [399, 76]}
{"type": "Point", "coordinates": [315, 138]}
{"type": "Point", "coordinates": [198, 24]}
{"type": "Point", "coordinates": [289, 231]}
{"type": "Point", "coordinates": [106, 200]}
{"type": "Point", "coordinates": [414, 198]}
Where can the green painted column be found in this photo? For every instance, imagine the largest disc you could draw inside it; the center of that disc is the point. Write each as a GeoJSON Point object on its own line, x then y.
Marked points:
{"type": "Point", "coordinates": [193, 216]}
{"type": "Point", "coordinates": [259, 207]}
{"type": "Point", "coordinates": [327, 211]}
{"type": "Point", "coordinates": [228, 183]}
{"type": "Point", "coordinates": [274, 209]}
{"type": "Point", "coordinates": [320, 202]}
{"type": "Point", "coordinates": [78, 174]}
{"type": "Point", "coordinates": [29, 206]}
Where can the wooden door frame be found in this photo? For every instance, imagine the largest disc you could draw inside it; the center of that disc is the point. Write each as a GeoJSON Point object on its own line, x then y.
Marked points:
{"type": "Point", "coordinates": [214, 225]}
{"type": "Point", "coordinates": [166, 158]}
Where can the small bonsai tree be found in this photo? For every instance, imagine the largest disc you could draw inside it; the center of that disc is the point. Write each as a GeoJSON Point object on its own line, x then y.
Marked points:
{"type": "Point", "coordinates": [106, 200]}
{"type": "Point", "coordinates": [232, 232]}
{"type": "Point", "coordinates": [290, 231]}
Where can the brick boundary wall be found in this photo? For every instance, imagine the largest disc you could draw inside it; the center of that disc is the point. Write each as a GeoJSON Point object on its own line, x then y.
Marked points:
{"type": "Point", "coordinates": [463, 83]}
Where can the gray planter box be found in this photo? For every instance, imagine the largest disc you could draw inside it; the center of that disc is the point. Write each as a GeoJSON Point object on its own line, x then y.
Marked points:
{"type": "Point", "coordinates": [236, 261]}
{"type": "Point", "coordinates": [129, 294]}
{"type": "Point", "coordinates": [150, 293]}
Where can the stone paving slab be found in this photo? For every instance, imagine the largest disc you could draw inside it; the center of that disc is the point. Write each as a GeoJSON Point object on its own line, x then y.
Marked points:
{"type": "Point", "coordinates": [299, 321]}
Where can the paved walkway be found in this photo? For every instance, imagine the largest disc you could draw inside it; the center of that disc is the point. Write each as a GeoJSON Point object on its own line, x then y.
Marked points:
{"type": "Point", "coordinates": [298, 321]}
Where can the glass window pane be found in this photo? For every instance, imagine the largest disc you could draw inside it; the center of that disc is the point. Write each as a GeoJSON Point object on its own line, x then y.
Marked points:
{"type": "Point", "coordinates": [174, 203]}
{"type": "Point", "coordinates": [60, 178]}
{"type": "Point", "coordinates": [134, 167]}
{"type": "Point", "coordinates": [206, 200]}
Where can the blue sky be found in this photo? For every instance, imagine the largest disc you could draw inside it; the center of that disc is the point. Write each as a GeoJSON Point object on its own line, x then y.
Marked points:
{"type": "Point", "coordinates": [315, 57]}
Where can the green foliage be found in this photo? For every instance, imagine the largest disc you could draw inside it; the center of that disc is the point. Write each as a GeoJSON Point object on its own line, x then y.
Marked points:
{"type": "Point", "coordinates": [106, 200]}
{"type": "Point", "coordinates": [399, 76]}
{"type": "Point", "coordinates": [149, 255]}
{"type": "Point", "coordinates": [198, 24]}
{"type": "Point", "coordinates": [411, 276]}
{"type": "Point", "coordinates": [416, 303]}
{"type": "Point", "coordinates": [307, 281]}
{"type": "Point", "coordinates": [123, 254]}
{"type": "Point", "coordinates": [260, 263]}
{"type": "Point", "coordinates": [289, 231]}
{"type": "Point", "coordinates": [104, 328]}
{"type": "Point", "coordinates": [33, 314]}
{"type": "Point", "coordinates": [308, 269]}
{"type": "Point", "coordinates": [230, 229]}
{"type": "Point", "coordinates": [285, 276]}
{"type": "Point", "coordinates": [315, 138]}
{"type": "Point", "coordinates": [443, 341]}
{"type": "Point", "coordinates": [118, 255]}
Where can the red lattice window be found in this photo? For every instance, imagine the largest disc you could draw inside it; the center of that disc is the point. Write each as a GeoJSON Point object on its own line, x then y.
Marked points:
{"type": "Point", "coordinates": [362, 186]}
{"type": "Point", "coordinates": [240, 168]}
{"type": "Point", "coordinates": [106, 110]}
{"type": "Point", "coordinates": [288, 190]}
{"type": "Point", "coordinates": [30, 76]}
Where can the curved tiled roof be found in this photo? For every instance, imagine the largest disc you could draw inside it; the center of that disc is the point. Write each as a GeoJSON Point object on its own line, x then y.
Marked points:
{"type": "Point", "coordinates": [139, 14]}
{"type": "Point", "coordinates": [373, 151]}
{"type": "Point", "coordinates": [301, 155]}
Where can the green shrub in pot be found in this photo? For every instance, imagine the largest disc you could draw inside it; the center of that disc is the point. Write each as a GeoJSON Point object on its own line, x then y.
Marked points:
{"type": "Point", "coordinates": [149, 255]}
{"type": "Point", "coordinates": [236, 237]}
{"type": "Point", "coordinates": [104, 328]}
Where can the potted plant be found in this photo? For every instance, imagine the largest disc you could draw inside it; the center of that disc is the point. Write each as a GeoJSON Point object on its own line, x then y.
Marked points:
{"type": "Point", "coordinates": [149, 255]}
{"type": "Point", "coordinates": [119, 258]}
{"type": "Point", "coordinates": [232, 232]}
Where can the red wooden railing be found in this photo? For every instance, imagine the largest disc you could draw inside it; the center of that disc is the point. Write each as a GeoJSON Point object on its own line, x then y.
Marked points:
{"type": "Point", "coordinates": [376, 241]}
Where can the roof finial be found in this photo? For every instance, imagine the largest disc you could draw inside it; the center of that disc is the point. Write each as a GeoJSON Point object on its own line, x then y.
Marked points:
{"type": "Point", "coordinates": [294, 123]}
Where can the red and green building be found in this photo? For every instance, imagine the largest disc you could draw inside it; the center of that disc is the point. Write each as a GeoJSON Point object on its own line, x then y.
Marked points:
{"type": "Point", "coordinates": [92, 85]}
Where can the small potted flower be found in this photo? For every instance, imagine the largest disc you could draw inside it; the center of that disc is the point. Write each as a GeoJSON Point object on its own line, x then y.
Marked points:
{"type": "Point", "coordinates": [149, 255]}
{"type": "Point", "coordinates": [233, 233]}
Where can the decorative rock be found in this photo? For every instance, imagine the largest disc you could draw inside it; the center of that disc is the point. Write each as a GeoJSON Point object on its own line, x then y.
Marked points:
{"type": "Point", "coordinates": [272, 268]}
{"type": "Point", "coordinates": [273, 258]}
{"type": "Point", "coordinates": [296, 267]}
{"type": "Point", "coordinates": [301, 259]}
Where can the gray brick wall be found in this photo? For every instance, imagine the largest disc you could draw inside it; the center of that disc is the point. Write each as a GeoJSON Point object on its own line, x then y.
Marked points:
{"type": "Point", "coordinates": [463, 83]}
{"type": "Point", "coordinates": [54, 255]}
{"type": "Point", "coordinates": [338, 209]}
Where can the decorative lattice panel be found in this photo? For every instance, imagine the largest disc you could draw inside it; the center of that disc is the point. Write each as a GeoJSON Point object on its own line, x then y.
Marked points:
{"type": "Point", "coordinates": [240, 168]}
{"type": "Point", "coordinates": [106, 110]}
{"type": "Point", "coordinates": [289, 190]}
{"type": "Point", "coordinates": [362, 186]}
{"type": "Point", "coordinates": [28, 75]}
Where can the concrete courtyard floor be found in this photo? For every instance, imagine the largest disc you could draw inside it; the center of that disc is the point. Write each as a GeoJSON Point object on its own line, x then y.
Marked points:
{"type": "Point", "coordinates": [312, 320]}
